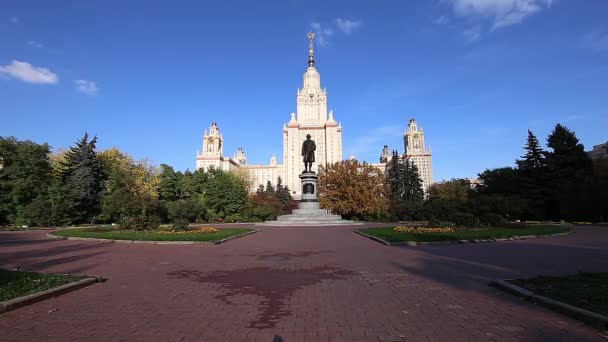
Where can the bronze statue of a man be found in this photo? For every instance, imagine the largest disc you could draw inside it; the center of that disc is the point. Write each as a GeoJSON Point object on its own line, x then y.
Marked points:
{"type": "Point", "coordinates": [308, 152]}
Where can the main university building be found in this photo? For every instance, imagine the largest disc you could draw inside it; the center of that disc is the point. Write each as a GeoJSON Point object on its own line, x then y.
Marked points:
{"type": "Point", "coordinates": [312, 118]}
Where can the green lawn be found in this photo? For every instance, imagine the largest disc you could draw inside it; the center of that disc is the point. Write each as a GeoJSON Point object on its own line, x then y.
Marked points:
{"type": "Point", "coordinates": [15, 284]}
{"type": "Point", "coordinates": [585, 290]}
{"type": "Point", "coordinates": [387, 234]}
{"type": "Point", "coordinates": [109, 233]}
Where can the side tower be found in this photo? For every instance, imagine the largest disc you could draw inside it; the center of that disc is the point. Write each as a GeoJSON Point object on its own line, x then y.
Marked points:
{"type": "Point", "coordinates": [311, 117]}
{"type": "Point", "coordinates": [416, 151]}
{"type": "Point", "coordinates": [212, 154]}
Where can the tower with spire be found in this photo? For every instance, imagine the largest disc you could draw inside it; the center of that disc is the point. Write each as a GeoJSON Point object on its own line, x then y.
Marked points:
{"type": "Point", "coordinates": [418, 153]}
{"type": "Point", "coordinates": [311, 117]}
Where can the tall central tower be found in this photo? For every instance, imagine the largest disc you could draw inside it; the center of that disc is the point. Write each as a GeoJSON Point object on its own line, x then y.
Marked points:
{"type": "Point", "coordinates": [312, 118]}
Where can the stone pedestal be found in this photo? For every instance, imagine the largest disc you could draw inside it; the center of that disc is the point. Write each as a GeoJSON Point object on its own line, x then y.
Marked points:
{"type": "Point", "coordinates": [309, 213]}
{"type": "Point", "coordinates": [309, 187]}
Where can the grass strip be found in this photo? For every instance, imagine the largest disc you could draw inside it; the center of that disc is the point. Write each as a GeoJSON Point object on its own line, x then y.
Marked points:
{"type": "Point", "coordinates": [584, 290]}
{"type": "Point", "coordinates": [15, 284]}
{"type": "Point", "coordinates": [389, 235]}
{"type": "Point", "coordinates": [98, 233]}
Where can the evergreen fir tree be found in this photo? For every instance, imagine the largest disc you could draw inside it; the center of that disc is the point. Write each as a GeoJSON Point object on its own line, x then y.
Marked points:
{"type": "Point", "coordinates": [569, 172]}
{"type": "Point", "coordinates": [84, 175]}
{"type": "Point", "coordinates": [404, 180]}
{"type": "Point", "coordinates": [412, 183]}
{"type": "Point", "coordinates": [270, 190]}
{"type": "Point", "coordinates": [534, 157]}
{"type": "Point", "coordinates": [531, 177]}
{"type": "Point", "coordinates": [260, 190]}
{"type": "Point", "coordinates": [283, 192]}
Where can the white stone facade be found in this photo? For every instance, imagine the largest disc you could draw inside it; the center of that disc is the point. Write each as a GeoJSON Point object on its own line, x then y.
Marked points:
{"type": "Point", "coordinates": [311, 117]}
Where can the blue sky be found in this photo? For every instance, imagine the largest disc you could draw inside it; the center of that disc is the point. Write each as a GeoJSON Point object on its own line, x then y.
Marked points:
{"type": "Point", "coordinates": [150, 76]}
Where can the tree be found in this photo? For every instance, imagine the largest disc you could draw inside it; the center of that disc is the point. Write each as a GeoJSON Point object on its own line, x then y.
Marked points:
{"type": "Point", "coordinates": [453, 190]}
{"type": "Point", "coordinates": [24, 178]}
{"type": "Point", "coordinates": [404, 180]}
{"type": "Point", "coordinates": [226, 194]}
{"type": "Point", "coordinates": [283, 193]}
{"type": "Point", "coordinates": [353, 189]}
{"type": "Point", "coordinates": [264, 207]}
{"type": "Point", "coordinates": [270, 190]}
{"type": "Point", "coordinates": [532, 171]}
{"type": "Point", "coordinates": [260, 189]}
{"type": "Point", "coordinates": [131, 187]}
{"type": "Point", "coordinates": [504, 180]}
{"type": "Point", "coordinates": [167, 188]}
{"type": "Point", "coordinates": [84, 175]}
{"type": "Point", "coordinates": [534, 157]}
{"type": "Point", "coordinates": [569, 173]}
{"type": "Point", "coordinates": [185, 210]}
{"type": "Point", "coordinates": [186, 184]}
{"type": "Point", "coordinates": [405, 185]}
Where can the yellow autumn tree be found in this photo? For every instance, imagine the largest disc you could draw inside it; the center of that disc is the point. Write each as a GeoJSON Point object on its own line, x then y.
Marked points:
{"type": "Point", "coordinates": [140, 177]}
{"type": "Point", "coordinates": [354, 189]}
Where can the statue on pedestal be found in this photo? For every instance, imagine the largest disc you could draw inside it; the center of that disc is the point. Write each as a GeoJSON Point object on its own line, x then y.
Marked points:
{"type": "Point", "coordinates": [308, 152]}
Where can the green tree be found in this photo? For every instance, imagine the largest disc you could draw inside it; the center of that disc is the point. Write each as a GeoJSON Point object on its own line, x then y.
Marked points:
{"type": "Point", "coordinates": [270, 190]}
{"type": "Point", "coordinates": [404, 180]}
{"type": "Point", "coordinates": [570, 172]}
{"type": "Point", "coordinates": [283, 193]}
{"type": "Point", "coordinates": [168, 187]}
{"type": "Point", "coordinates": [186, 184]}
{"type": "Point", "coordinates": [405, 188]}
{"type": "Point", "coordinates": [24, 179]}
{"type": "Point", "coordinates": [226, 195]}
{"type": "Point", "coordinates": [456, 189]}
{"type": "Point", "coordinates": [532, 170]}
{"type": "Point", "coordinates": [264, 207]}
{"type": "Point", "coordinates": [260, 189]}
{"type": "Point", "coordinates": [131, 188]}
{"type": "Point", "coordinates": [84, 176]}
{"type": "Point", "coordinates": [504, 180]}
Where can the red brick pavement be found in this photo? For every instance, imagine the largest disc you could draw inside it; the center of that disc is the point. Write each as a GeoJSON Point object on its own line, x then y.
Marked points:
{"type": "Point", "coordinates": [302, 284]}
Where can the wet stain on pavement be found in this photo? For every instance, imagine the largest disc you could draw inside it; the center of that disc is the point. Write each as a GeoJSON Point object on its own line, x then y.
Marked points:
{"type": "Point", "coordinates": [275, 285]}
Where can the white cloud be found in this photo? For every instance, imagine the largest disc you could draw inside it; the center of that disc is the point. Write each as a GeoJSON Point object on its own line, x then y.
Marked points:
{"type": "Point", "coordinates": [441, 20]}
{"type": "Point", "coordinates": [502, 12]}
{"type": "Point", "coordinates": [28, 73]}
{"type": "Point", "coordinates": [15, 20]}
{"type": "Point", "coordinates": [348, 26]}
{"type": "Point", "coordinates": [322, 33]}
{"type": "Point", "coordinates": [472, 34]}
{"type": "Point", "coordinates": [370, 143]}
{"type": "Point", "coordinates": [35, 44]}
{"type": "Point", "coordinates": [597, 41]}
{"type": "Point", "coordinates": [86, 87]}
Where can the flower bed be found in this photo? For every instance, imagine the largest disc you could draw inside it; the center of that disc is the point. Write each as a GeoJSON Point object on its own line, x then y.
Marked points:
{"type": "Point", "coordinates": [202, 230]}
{"type": "Point", "coordinates": [421, 230]}
{"type": "Point", "coordinates": [421, 234]}
{"type": "Point", "coordinates": [204, 234]}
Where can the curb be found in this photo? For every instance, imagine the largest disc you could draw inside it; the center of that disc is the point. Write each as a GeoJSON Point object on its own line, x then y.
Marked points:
{"type": "Point", "coordinates": [236, 237]}
{"type": "Point", "coordinates": [453, 242]}
{"type": "Point", "coordinates": [144, 242]}
{"type": "Point", "coordinates": [589, 317]}
{"type": "Point", "coordinates": [18, 302]}
{"type": "Point", "coordinates": [373, 238]}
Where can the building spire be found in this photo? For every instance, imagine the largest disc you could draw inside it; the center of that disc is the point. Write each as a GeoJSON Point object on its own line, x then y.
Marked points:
{"type": "Point", "coordinates": [311, 49]}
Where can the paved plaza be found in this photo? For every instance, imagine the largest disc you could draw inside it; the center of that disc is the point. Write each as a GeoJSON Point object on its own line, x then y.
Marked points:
{"type": "Point", "coordinates": [301, 284]}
